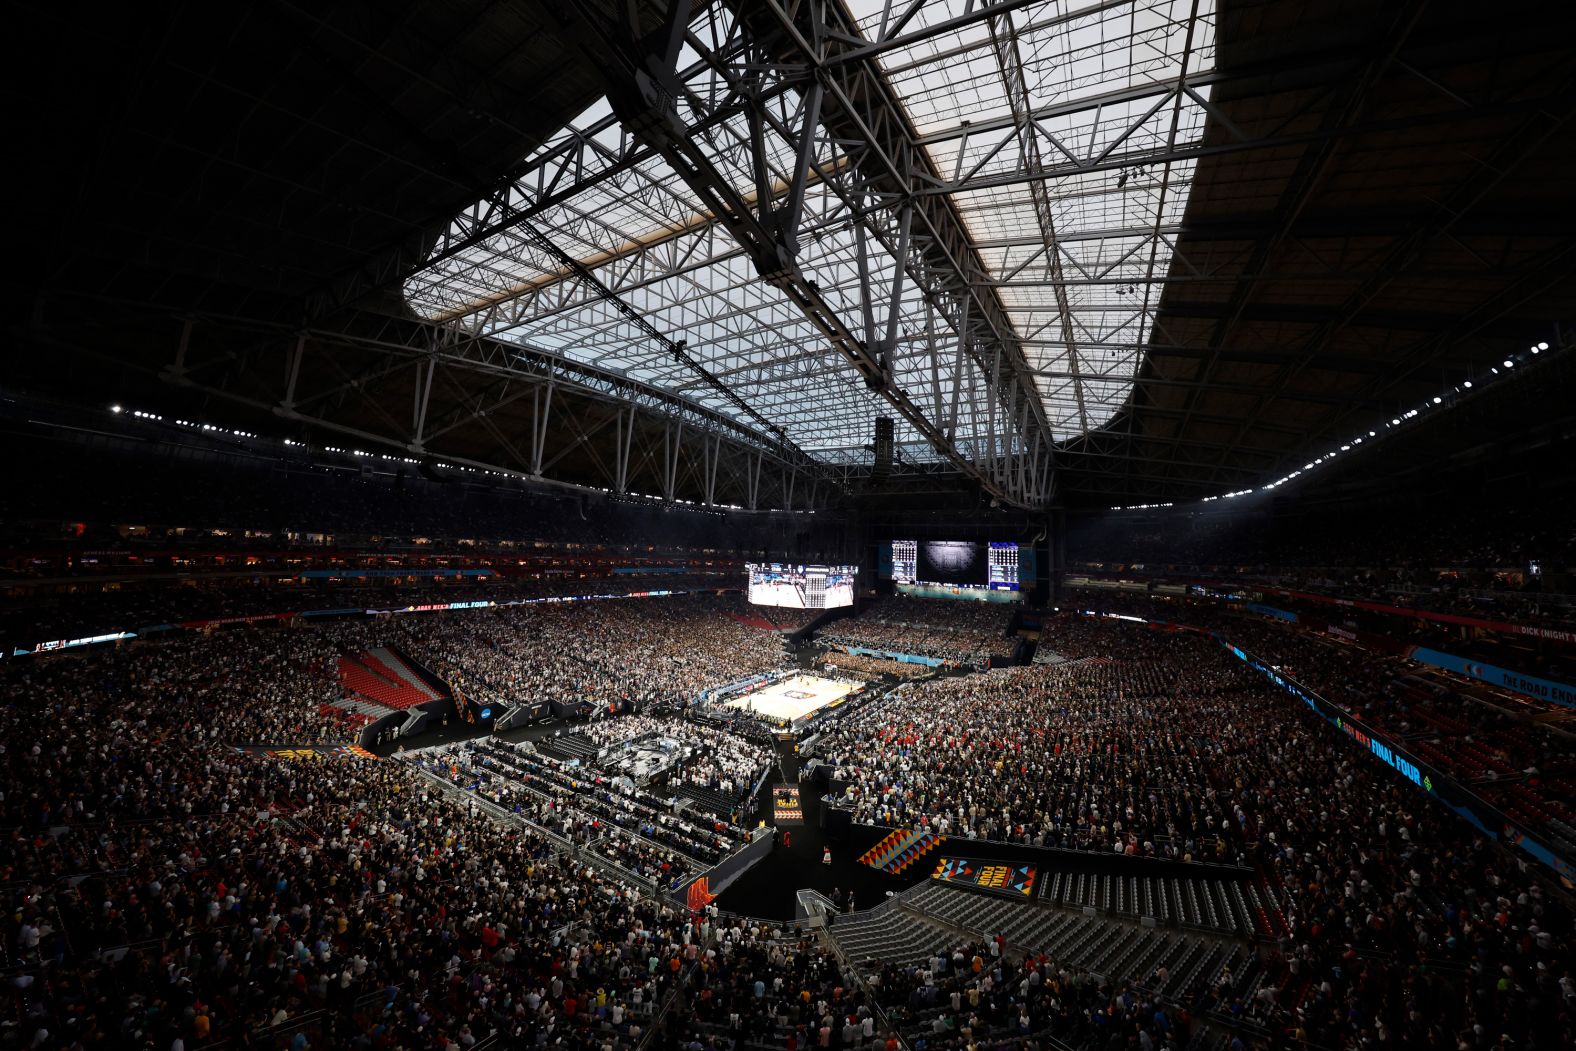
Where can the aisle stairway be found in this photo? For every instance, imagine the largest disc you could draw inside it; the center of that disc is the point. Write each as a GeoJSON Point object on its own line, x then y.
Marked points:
{"type": "Point", "coordinates": [392, 666]}
{"type": "Point", "coordinates": [366, 677]}
{"type": "Point", "coordinates": [899, 849]}
{"type": "Point", "coordinates": [939, 919]}
{"type": "Point", "coordinates": [571, 745]}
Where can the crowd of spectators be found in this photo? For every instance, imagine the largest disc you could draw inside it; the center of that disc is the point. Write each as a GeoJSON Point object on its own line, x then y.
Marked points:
{"type": "Point", "coordinates": [1124, 756]}
{"type": "Point", "coordinates": [252, 687]}
{"type": "Point", "coordinates": [609, 654]}
{"type": "Point", "coordinates": [1542, 647]}
{"type": "Point", "coordinates": [967, 633]}
{"type": "Point", "coordinates": [985, 995]}
{"type": "Point", "coordinates": [560, 796]}
{"type": "Point", "coordinates": [866, 666]}
{"type": "Point", "coordinates": [710, 758]}
{"type": "Point", "coordinates": [773, 991]}
{"type": "Point", "coordinates": [1509, 747]}
{"type": "Point", "coordinates": [163, 891]}
{"type": "Point", "coordinates": [1399, 924]}
{"type": "Point", "coordinates": [28, 618]}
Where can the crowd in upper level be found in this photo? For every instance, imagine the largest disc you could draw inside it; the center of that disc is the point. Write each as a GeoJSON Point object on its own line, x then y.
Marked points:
{"type": "Point", "coordinates": [967, 633]}
{"type": "Point", "coordinates": [1508, 746]}
{"type": "Point", "coordinates": [1409, 539]}
{"type": "Point", "coordinates": [223, 492]}
{"type": "Point", "coordinates": [1099, 756]}
{"type": "Point", "coordinates": [630, 653]}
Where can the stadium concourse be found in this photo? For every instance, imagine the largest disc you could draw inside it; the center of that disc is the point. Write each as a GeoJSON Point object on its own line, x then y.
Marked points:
{"type": "Point", "coordinates": [830, 525]}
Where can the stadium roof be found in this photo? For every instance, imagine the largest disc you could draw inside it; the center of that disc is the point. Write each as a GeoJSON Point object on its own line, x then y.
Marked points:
{"type": "Point", "coordinates": [1077, 264]}
{"type": "Point", "coordinates": [1095, 252]}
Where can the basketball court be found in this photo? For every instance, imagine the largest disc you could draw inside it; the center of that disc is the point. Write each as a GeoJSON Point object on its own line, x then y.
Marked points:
{"type": "Point", "coordinates": [795, 697]}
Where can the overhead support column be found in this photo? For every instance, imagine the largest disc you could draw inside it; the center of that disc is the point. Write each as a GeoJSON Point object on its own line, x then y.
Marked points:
{"type": "Point", "coordinates": [624, 437]}
{"type": "Point", "coordinates": [712, 450]}
{"type": "Point", "coordinates": [422, 394]}
{"type": "Point", "coordinates": [672, 441]}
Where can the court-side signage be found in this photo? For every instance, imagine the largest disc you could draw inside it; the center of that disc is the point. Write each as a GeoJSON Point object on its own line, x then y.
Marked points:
{"type": "Point", "coordinates": [1014, 880]}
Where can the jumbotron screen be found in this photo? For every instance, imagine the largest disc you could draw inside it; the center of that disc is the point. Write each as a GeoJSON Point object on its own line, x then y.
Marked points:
{"type": "Point", "coordinates": [961, 563]}
{"type": "Point", "coordinates": [801, 587]}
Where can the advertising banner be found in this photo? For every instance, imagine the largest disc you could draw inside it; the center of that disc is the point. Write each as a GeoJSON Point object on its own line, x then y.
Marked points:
{"type": "Point", "coordinates": [91, 640]}
{"type": "Point", "coordinates": [219, 622]}
{"type": "Point", "coordinates": [891, 655]}
{"type": "Point", "coordinates": [1465, 803]}
{"type": "Point", "coordinates": [1503, 627]}
{"type": "Point", "coordinates": [1526, 685]}
{"type": "Point", "coordinates": [1015, 881]}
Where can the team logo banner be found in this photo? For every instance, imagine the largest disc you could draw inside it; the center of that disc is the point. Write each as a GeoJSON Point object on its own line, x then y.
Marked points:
{"type": "Point", "coordinates": [1014, 880]}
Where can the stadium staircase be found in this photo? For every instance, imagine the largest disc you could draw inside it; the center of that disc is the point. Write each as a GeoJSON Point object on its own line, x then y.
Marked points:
{"type": "Point", "coordinates": [936, 918]}
{"type": "Point", "coordinates": [397, 668]}
{"type": "Point", "coordinates": [570, 746]}
{"type": "Point", "coordinates": [899, 849]}
{"type": "Point", "coordinates": [753, 621]}
{"type": "Point", "coordinates": [351, 712]}
{"type": "Point", "coordinates": [1235, 908]}
{"type": "Point", "coordinates": [380, 677]}
{"type": "Point", "coordinates": [707, 799]}
{"type": "Point", "coordinates": [366, 709]}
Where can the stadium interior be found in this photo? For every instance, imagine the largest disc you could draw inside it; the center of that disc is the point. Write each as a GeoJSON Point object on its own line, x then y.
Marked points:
{"type": "Point", "coordinates": [761, 525]}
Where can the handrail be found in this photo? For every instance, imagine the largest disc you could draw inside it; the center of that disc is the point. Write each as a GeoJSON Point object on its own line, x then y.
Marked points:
{"type": "Point", "coordinates": [1109, 854]}
{"type": "Point", "coordinates": [269, 1032]}
{"type": "Point", "coordinates": [565, 846]}
{"type": "Point", "coordinates": [1156, 994]}
{"type": "Point", "coordinates": [697, 862]}
{"type": "Point", "coordinates": [830, 940]}
{"type": "Point", "coordinates": [681, 982]}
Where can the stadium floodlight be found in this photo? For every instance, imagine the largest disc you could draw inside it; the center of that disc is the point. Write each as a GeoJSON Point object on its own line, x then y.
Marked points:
{"type": "Point", "coordinates": [1509, 364]}
{"type": "Point", "coordinates": [115, 409]}
{"type": "Point", "coordinates": [1437, 399]}
{"type": "Point", "coordinates": [1543, 346]}
{"type": "Point", "coordinates": [1467, 384]}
